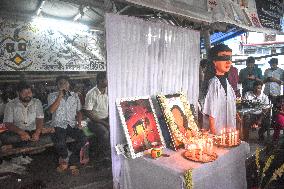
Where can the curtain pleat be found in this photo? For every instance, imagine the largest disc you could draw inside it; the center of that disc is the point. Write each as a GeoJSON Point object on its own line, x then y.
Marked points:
{"type": "Point", "coordinates": [146, 58]}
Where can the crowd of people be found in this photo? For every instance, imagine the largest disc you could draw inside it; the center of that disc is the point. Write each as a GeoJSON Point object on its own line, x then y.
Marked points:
{"type": "Point", "coordinates": [251, 79]}
{"type": "Point", "coordinates": [24, 119]}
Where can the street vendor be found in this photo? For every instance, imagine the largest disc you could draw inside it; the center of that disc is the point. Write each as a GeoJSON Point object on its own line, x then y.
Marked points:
{"type": "Point", "coordinates": [220, 100]}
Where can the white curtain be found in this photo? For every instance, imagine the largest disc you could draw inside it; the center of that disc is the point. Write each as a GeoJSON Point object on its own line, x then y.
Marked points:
{"type": "Point", "coordinates": [146, 58]}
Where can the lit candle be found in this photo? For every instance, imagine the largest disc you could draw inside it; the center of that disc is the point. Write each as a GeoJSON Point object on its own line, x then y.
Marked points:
{"type": "Point", "coordinates": [211, 146]}
{"type": "Point", "coordinates": [221, 136]}
{"type": "Point", "coordinates": [224, 137]}
{"type": "Point", "coordinates": [236, 137]}
{"type": "Point", "coordinates": [193, 150]}
{"type": "Point", "coordinates": [201, 153]}
{"type": "Point", "coordinates": [233, 137]}
{"type": "Point", "coordinates": [230, 137]}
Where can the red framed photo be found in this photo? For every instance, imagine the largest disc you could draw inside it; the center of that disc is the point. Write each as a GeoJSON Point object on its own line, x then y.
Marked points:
{"type": "Point", "coordinates": [140, 125]}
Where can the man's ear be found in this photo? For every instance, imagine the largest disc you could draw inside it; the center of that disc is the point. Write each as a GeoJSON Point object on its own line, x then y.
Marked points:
{"type": "Point", "coordinates": [214, 62]}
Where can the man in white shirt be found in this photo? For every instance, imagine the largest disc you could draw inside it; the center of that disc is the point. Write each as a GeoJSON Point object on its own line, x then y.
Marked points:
{"type": "Point", "coordinates": [273, 78]}
{"type": "Point", "coordinates": [23, 117]}
{"type": "Point", "coordinates": [65, 107]}
{"type": "Point", "coordinates": [96, 109]}
{"type": "Point", "coordinates": [261, 117]}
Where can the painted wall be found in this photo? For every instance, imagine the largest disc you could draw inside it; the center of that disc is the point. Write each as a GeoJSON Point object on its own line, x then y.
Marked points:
{"type": "Point", "coordinates": [49, 45]}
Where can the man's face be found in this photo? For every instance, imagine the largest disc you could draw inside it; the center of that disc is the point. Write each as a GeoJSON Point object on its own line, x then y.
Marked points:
{"type": "Point", "coordinates": [258, 89]}
{"type": "Point", "coordinates": [273, 66]}
{"type": "Point", "coordinates": [26, 95]}
{"type": "Point", "coordinates": [250, 65]}
{"type": "Point", "coordinates": [63, 84]}
{"type": "Point", "coordinates": [102, 83]}
{"type": "Point", "coordinates": [223, 63]}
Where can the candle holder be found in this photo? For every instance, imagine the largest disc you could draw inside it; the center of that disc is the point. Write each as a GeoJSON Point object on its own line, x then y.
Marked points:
{"type": "Point", "coordinates": [199, 155]}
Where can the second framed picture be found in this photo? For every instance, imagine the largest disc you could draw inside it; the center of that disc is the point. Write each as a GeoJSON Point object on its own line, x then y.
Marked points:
{"type": "Point", "coordinates": [179, 118]}
{"type": "Point", "coordinates": [140, 124]}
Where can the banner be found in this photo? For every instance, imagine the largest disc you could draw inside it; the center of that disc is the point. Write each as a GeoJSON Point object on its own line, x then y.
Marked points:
{"type": "Point", "coordinates": [49, 45]}
{"type": "Point", "coordinates": [270, 13]}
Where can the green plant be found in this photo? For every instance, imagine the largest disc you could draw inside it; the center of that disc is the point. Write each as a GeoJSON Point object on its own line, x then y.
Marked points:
{"type": "Point", "coordinates": [262, 170]}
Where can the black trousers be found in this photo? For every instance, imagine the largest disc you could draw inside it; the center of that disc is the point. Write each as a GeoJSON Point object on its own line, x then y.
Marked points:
{"type": "Point", "coordinates": [102, 137]}
{"type": "Point", "coordinates": [59, 139]}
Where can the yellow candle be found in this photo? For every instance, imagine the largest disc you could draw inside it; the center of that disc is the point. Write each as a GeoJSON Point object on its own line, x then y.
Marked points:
{"type": "Point", "coordinates": [233, 137]}
{"type": "Point", "coordinates": [236, 137]}
{"type": "Point", "coordinates": [193, 150]}
{"type": "Point", "coordinates": [222, 137]}
{"type": "Point", "coordinates": [230, 137]}
{"type": "Point", "coordinates": [200, 154]}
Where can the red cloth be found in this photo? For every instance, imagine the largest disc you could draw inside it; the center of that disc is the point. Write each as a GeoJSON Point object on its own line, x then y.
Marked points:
{"type": "Point", "coordinates": [2, 128]}
{"type": "Point", "coordinates": [233, 78]}
{"type": "Point", "coordinates": [279, 119]}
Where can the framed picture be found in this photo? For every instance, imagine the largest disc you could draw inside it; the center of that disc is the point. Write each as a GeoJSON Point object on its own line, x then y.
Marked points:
{"type": "Point", "coordinates": [179, 118]}
{"type": "Point", "coordinates": [140, 125]}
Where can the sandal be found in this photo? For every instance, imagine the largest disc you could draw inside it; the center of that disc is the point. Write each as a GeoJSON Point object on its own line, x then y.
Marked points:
{"type": "Point", "coordinates": [63, 166]}
{"type": "Point", "coordinates": [74, 170]}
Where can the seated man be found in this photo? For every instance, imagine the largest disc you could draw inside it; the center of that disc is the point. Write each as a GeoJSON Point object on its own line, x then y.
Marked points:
{"type": "Point", "coordinates": [96, 109]}
{"type": "Point", "coordinates": [260, 118]}
{"type": "Point", "coordinates": [65, 108]}
{"type": "Point", "coordinates": [23, 117]}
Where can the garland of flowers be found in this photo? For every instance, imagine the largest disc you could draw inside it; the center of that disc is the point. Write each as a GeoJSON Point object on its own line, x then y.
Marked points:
{"type": "Point", "coordinates": [257, 161]}
{"type": "Point", "coordinates": [266, 167]}
{"type": "Point", "coordinates": [177, 135]}
{"type": "Point", "coordinates": [188, 179]}
{"type": "Point", "coordinates": [276, 174]}
{"type": "Point", "coordinates": [190, 117]}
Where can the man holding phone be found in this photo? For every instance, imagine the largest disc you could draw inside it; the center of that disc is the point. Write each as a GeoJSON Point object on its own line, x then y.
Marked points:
{"type": "Point", "coordinates": [65, 107]}
{"type": "Point", "coordinates": [249, 75]}
{"type": "Point", "coordinates": [273, 79]}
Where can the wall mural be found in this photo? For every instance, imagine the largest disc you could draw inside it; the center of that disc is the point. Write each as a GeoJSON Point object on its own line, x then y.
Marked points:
{"type": "Point", "coordinates": [47, 46]}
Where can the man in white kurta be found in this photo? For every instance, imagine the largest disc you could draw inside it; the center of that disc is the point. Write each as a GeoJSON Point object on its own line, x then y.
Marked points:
{"type": "Point", "coordinates": [220, 106]}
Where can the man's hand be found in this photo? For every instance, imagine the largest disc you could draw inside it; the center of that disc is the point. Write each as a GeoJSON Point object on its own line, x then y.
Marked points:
{"type": "Point", "coordinates": [251, 77]}
{"type": "Point", "coordinates": [272, 79]}
{"type": "Point", "coordinates": [24, 136]}
{"type": "Point", "coordinates": [79, 126]}
{"type": "Point", "coordinates": [63, 87]}
{"type": "Point", "coordinates": [258, 122]}
{"type": "Point", "coordinates": [35, 136]}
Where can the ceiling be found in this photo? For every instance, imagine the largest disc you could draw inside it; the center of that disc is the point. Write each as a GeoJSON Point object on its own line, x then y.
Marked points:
{"type": "Point", "coordinates": [89, 12]}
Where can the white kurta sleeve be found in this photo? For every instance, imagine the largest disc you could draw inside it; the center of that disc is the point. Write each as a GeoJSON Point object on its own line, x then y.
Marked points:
{"type": "Point", "coordinates": [210, 100]}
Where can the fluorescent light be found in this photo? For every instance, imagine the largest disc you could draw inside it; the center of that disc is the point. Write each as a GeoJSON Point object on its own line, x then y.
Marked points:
{"type": "Point", "coordinates": [40, 7]}
{"type": "Point", "coordinates": [58, 24]}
